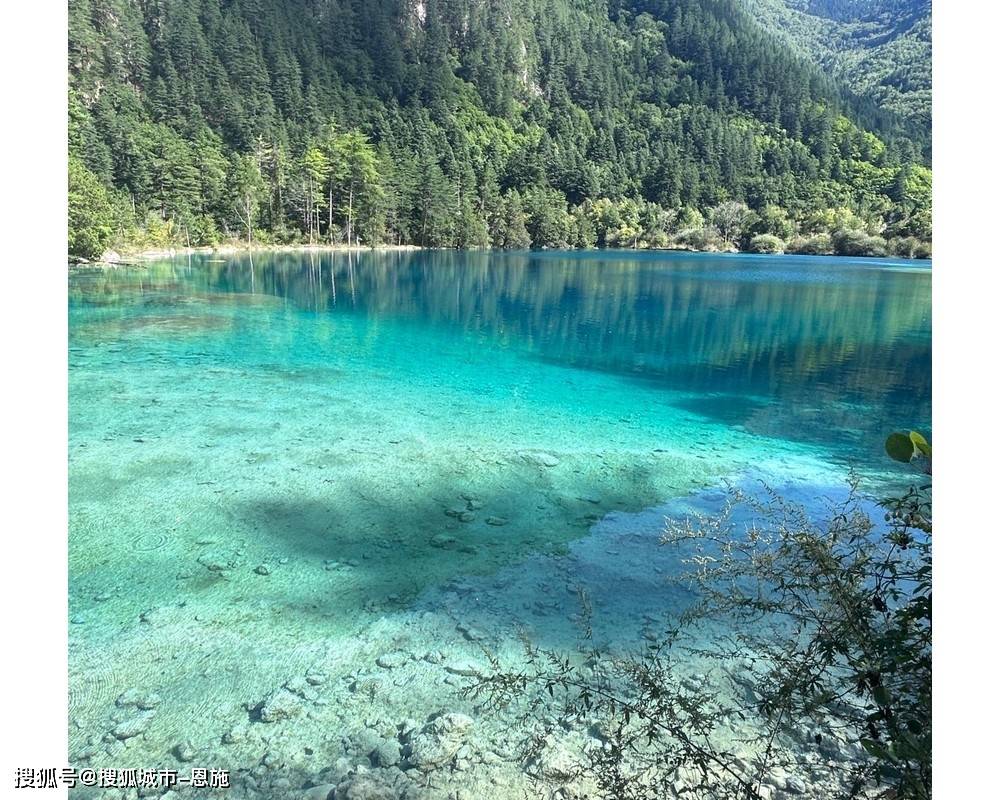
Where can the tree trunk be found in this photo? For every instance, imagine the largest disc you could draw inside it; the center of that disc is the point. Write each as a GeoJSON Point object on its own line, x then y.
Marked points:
{"type": "Point", "coordinates": [350, 214]}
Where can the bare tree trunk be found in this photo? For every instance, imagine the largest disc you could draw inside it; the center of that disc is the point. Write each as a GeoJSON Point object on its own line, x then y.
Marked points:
{"type": "Point", "coordinates": [350, 214]}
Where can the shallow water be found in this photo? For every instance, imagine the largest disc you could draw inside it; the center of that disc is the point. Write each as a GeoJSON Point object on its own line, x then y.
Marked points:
{"type": "Point", "coordinates": [371, 431]}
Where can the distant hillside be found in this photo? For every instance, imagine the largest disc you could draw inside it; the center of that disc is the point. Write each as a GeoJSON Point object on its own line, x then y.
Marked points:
{"type": "Point", "coordinates": [881, 49]}
{"type": "Point", "coordinates": [462, 123]}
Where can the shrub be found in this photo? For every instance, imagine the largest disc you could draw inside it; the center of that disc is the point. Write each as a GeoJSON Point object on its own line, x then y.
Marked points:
{"type": "Point", "coordinates": [857, 243]}
{"type": "Point", "coordinates": [766, 243]}
{"type": "Point", "coordinates": [90, 213]}
{"type": "Point", "coordinates": [706, 239]}
{"type": "Point", "coordinates": [817, 245]}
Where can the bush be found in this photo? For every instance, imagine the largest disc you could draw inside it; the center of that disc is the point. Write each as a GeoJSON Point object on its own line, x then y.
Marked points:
{"type": "Point", "coordinates": [90, 213]}
{"type": "Point", "coordinates": [705, 239]}
{"type": "Point", "coordinates": [766, 243]}
{"type": "Point", "coordinates": [204, 232]}
{"type": "Point", "coordinates": [857, 243]}
{"type": "Point", "coordinates": [818, 245]}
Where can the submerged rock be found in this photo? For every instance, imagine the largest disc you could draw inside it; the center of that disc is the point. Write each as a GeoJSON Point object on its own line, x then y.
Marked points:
{"type": "Point", "coordinates": [364, 786]}
{"type": "Point", "coordinates": [280, 705]}
{"type": "Point", "coordinates": [386, 754]}
{"type": "Point", "coordinates": [438, 741]}
{"type": "Point", "coordinates": [392, 660]}
{"type": "Point", "coordinates": [470, 632]}
{"type": "Point", "coordinates": [466, 667]}
{"type": "Point", "coordinates": [144, 701]}
{"type": "Point", "coordinates": [541, 459]}
{"type": "Point", "coordinates": [133, 726]}
{"type": "Point", "coordinates": [324, 791]}
{"type": "Point", "coordinates": [184, 752]}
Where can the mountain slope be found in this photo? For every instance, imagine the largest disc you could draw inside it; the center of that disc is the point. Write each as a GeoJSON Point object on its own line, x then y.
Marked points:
{"type": "Point", "coordinates": [470, 122]}
{"type": "Point", "coordinates": [881, 49]}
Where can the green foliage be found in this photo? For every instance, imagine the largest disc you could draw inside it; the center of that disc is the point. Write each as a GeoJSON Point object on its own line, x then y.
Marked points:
{"type": "Point", "coordinates": [904, 447]}
{"type": "Point", "coordinates": [881, 50]}
{"type": "Point", "coordinates": [91, 216]}
{"type": "Point", "coordinates": [816, 245]}
{"type": "Point", "coordinates": [617, 125]}
{"type": "Point", "coordinates": [857, 243]}
{"type": "Point", "coordinates": [766, 243]}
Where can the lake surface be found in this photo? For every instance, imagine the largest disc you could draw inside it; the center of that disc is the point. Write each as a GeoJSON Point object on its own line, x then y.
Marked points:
{"type": "Point", "coordinates": [295, 460]}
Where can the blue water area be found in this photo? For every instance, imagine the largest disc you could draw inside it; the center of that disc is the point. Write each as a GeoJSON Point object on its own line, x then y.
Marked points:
{"type": "Point", "coordinates": [272, 456]}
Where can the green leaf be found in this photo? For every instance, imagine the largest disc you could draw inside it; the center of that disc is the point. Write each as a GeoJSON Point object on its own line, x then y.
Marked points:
{"type": "Point", "coordinates": [899, 446]}
{"type": "Point", "coordinates": [882, 696]}
{"type": "Point", "coordinates": [920, 443]}
{"type": "Point", "coordinates": [876, 749]}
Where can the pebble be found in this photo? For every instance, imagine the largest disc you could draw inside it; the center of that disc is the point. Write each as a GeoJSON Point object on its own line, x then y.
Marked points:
{"type": "Point", "coordinates": [262, 569]}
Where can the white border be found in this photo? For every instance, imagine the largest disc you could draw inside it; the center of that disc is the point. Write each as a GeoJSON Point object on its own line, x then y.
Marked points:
{"type": "Point", "coordinates": [34, 413]}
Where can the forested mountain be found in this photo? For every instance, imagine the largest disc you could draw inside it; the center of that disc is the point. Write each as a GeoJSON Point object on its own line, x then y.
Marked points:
{"type": "Point", "coordinates": [881, 49]}
{"type": "Point", "coordinates": [461, 123]}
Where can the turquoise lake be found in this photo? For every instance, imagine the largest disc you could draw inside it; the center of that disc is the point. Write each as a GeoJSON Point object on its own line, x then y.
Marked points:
{"type": "Point", "coordinates": [274, 462]}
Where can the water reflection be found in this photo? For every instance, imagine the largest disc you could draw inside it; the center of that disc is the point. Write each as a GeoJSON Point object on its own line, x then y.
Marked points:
{"type": "Point", "coordinates": [807, 346]}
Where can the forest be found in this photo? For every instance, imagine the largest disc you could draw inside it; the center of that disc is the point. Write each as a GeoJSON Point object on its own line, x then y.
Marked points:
{"type": "Point", "coordinates": [476, 123]}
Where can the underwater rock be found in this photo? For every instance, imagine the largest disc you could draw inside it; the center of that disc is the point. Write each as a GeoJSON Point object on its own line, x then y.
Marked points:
{"type": "Point", "coordinates": [184, 751]}
{"type": "Point", "coordinates": [216, 562]}
{"type": "Point", "coordinates": [364, 786]}
{"type": "Point", "coordinates": [144, 701]}
{"type": "Point", "coordinates": [301, 687]}
{"type": "Point", "coordinates": [321, 792]}
{"type": "Point", "coordinates": [392, 660]}
{"type": "Point", "coordinates": [280, 705]}
{"type": "Point", "coordinates": [541, 459]}
{"type": "Point", "coordinates": [556, 762]}
{"type": "Point", "coordinates": [133, 726]}
{"type": "Point", "coordinates": [262, 569]}
{"type": "Point", "coordinates": [465, 667]}
{"type": "Point", "coordinates": [438, 741]}
{"type": "Point", "coordinates": [386, 754]}
{"type": "Point", "coordinates": [238, 733]}
{"type": "Point", "coordinates": [470, 632]}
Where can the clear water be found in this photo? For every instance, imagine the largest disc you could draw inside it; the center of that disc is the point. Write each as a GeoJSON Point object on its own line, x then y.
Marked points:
{"type": "Point", "coordinates": [371, 428]}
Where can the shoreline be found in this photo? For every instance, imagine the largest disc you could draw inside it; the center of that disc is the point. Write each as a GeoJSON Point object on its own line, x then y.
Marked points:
{"type": "Point", "coordinates": [126, 258]}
